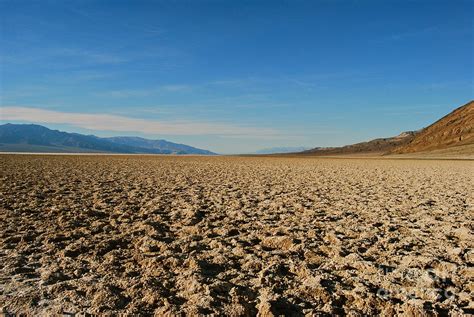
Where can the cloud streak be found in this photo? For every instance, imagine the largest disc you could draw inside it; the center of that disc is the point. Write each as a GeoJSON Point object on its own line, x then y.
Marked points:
{"type": "Point", "coordinates": [73, 55]}
{"type": "Point", "coordinates": [116, 123]}
{"type": "Point", "coordinates": [130, 93]}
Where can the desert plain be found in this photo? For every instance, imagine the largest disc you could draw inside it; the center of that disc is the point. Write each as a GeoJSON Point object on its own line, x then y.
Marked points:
{"type": "Point", "coordinates": [235, 236]}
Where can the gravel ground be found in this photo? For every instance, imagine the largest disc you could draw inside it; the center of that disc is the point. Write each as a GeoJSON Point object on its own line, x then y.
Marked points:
{"type": "Point", "coordinates": [236, 236]}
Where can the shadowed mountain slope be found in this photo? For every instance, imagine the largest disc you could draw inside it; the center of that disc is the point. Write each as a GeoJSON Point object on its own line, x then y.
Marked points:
{"type": "Point", "coordinates": [161, 145]}
{"type": "Point", "coordinates": [36, 138]}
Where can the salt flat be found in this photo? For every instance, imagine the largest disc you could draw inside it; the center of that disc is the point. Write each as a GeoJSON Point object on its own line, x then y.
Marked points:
{"type": "Point", "coordinates": [235, 235]}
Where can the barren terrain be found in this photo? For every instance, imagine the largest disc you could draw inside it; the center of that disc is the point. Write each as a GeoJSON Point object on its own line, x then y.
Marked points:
{"type": "Point", "coordinates": [235, 236]}
{"type": "Point", "coordinates": [453, 130]}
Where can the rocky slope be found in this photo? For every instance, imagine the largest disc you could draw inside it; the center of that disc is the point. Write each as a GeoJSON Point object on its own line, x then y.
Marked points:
{"type": "Point", "coordinates": [454, 129]}
{"type": "Point", "coordinates": [452, 133]}
{"type": "Point", "coordinates": [375, 147]}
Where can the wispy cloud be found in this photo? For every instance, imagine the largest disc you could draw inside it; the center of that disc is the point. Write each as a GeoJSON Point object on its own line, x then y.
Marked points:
{"type": "Point", "coordinates": [116, 123]}
{"type": "Point", "coordinates": [74, 54]}
{"type": "Point", "coordinates": [97, 17]}
{"type": "Point", "coordinates": [128, 93]}
{"type": "Point", "coordinates": [253, 87]}
{"type": "Point", "coordinates": [424, 32]}
{"type": "Point", "coordinates": [91, 56]}
{"type": "Point", "coordinates": [414, 33]}
{"type": "Point", "coordinates": [176, 87]}
{"type": "Point", "coordinates": [125, 93]}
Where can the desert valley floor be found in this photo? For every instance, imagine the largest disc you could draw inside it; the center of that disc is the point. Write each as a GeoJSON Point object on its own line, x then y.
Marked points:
{"type": "Point", "coordinates": [236, 236]}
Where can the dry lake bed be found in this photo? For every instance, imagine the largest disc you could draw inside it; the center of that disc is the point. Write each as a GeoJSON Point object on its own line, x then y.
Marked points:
{"type": "Point", "coordinates": [235, 236]}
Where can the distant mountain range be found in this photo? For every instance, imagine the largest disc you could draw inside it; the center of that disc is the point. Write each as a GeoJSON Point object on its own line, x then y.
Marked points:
{"type": "Point", "coordinates": [454, 132]}
{"type": "Point", "coordinates": [37, 138]}
{"type": "Point", "coordinates": [289, 149]}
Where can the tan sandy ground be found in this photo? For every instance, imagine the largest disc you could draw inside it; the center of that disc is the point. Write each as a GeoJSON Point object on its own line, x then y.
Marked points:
{"type": "Point", "coordinates": [235, 236]}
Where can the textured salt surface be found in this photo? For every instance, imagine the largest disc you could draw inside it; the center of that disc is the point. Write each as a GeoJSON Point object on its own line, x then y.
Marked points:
{"type": "Point", "coordinates": [235, 236]}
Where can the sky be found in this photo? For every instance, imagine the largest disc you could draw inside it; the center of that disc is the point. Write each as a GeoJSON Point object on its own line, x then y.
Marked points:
{"type": "Point", "coordinates": [235, 76]}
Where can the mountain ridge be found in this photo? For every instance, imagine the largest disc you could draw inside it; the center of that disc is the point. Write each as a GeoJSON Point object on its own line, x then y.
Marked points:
{"type": "Point", "coordinates": [37, 138]}
{"type": "Point", "coordinates": [158, 144]}
{"type": "Point", "coordinates": [452, 131]}
{"type": "Point", "coordinates": [375, 146]}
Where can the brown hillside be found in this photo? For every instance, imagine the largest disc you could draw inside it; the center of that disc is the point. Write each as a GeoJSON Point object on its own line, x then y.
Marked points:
{"type": "Point", "coordinates": [374, 147]}
{"type": "Point", "coordinates": [454, 129]}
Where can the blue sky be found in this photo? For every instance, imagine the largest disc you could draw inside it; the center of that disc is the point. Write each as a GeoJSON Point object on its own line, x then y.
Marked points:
{"type": "Point", "coordinates": [236, 76]}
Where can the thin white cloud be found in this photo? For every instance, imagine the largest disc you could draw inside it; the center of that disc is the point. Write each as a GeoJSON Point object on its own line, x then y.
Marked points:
{"type": "Point", "coordinates": [116, 123]}
{"type": "Point", "coordinates": [127, 93]}
{"type": "Point", "coordinates": [414, 33]}
{"type": "Point", "coordinates": [78, 56]}
{"type": "Point", "coordinates": [89, 56]}
{"type": "Point", "coordinates": [425, 32]}
{"type": "Point", "coordinates": [176, 87]}
{"type": "Point", "coordinates": [253, 87]}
